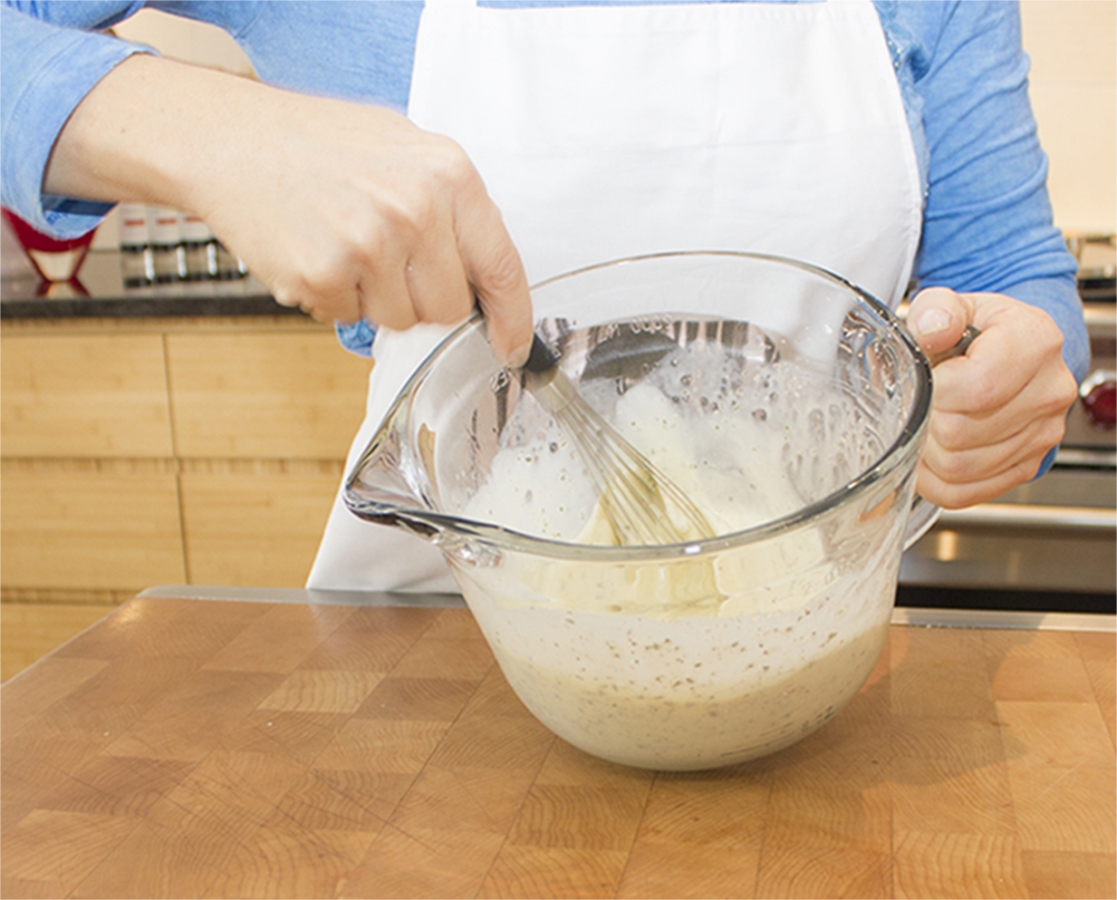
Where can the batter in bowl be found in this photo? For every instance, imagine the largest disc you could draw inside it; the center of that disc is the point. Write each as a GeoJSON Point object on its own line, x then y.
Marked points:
{"type": "Point", "coordinates": [693, 662]}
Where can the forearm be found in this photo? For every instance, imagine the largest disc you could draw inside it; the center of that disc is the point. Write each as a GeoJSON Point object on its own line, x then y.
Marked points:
{"type": "Point", "coordinates": [347, 210]}
{"type": "Point", "coordinates": [151, 131]}
{"type": "Point", "coordinates": [988, 221]}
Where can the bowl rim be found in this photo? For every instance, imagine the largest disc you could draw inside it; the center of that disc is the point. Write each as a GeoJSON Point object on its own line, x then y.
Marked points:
{"type": "Point", "coordinates": [443, 528]}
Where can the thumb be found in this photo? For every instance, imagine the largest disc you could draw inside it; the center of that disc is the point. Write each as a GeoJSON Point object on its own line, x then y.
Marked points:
{"type": "Point", "coordinates": [937, 318]}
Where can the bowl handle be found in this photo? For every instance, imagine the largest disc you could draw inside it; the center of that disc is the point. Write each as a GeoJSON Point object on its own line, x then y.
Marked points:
{"type": "Point", "coordinates": [923, 515]}
{"type": "Point", "coordinates": [921, 519]}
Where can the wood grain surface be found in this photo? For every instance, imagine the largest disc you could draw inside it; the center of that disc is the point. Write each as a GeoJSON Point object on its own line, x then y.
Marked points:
{"type": "Point", "coordinates": [254, 522]}
{"type": "Point", "coordinates": [227, 749]}
{"type": "Point", "coordinates": [132, 448]}
{"type": "Point", "coordinates": [29, 631]}
{"type": "Point", "coordinates": [84, 395]}
{"type": "Point", "coordinates": [267, 395]}
{"type": "Point", "coordinates": [75, 524]}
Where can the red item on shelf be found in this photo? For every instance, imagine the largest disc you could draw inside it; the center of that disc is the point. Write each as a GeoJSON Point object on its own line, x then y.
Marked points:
{"type": "Point", "coordinates": [55, 260]}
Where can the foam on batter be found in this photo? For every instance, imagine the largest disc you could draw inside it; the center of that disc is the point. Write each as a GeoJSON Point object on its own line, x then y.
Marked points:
{"type": "Point", "coordinates": [543, 488]}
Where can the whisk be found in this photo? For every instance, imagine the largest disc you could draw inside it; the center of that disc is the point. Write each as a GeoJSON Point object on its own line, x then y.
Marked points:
{"type": "Point", "coordinates": [640, 502]}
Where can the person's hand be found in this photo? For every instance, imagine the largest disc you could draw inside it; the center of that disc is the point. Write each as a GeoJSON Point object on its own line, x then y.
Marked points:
{"type": "Point", "coordinates": [998, 410]}
{"type": "Point", "coordinates": [351, 211]}
{"type": "Point", "coordinates": [345, 210]}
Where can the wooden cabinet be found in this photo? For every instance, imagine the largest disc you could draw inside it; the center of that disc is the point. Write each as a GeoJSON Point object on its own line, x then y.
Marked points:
{"type": "Point", "coordinates": [137, 452]}
{"type": "Point", "coordinates": [255, 523]}
{"type": "Point", "coordinates": [76, 525]}
{"type": "Point", "coordinates": [83, 395]}
{"type": "Point", "coordinates": [293, 395]}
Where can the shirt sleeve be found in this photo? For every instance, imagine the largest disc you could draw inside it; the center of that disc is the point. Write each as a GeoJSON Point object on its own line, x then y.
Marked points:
{"type": "Point", "coordinates": [988, 220]}
{"type": "Point", "coordinates": [49, 64]}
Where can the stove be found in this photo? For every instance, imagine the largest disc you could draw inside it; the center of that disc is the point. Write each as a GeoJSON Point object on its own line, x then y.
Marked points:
{"type": "Point", "coordinates": [1049, 545]}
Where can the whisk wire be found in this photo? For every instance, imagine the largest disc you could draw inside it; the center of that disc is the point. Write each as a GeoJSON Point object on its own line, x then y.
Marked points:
{"type": "Point", "coordinates": [640, 502]}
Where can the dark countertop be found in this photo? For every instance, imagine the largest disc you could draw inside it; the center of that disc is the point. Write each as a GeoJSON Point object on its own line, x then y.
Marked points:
{"type": "Point", "coordinates": [99, 291]}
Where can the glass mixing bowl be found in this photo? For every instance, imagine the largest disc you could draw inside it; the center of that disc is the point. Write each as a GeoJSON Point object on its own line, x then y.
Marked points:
{"type": "Point", "coordinates": [778, 394]}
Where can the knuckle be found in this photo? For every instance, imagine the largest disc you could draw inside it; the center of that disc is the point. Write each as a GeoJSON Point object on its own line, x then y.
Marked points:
{"type": "Point", "coordinates": [450, 161]}
{"type": "Point", "coordinates": [290, 289]}
{"type": "Point", "coordinates": [1044, 325]}
{"type": "Point", "coordinates": [952, 497]}
{"type": "Point", "coordinates": [949, 466]}
{"type": "Point", "coordinates": [443, 164]}
{"type": "Point", "coordinates": [1024, 471]}
{"type": "Point", "coordinates": [1052, 432]}
{"type": "Point", "coordinates": [284, 295]}
{"type": "Point", "coordinates": [1057, 396]}
{"type": "Point", "coordinates": [405, 217]}
{"type": "Point", "coordinates": [362, 235]}
{"type": "Point", "coordinates": [1046, 338]}
{"type": "Point", "coordinates": [952, 469]}
{"type": "Point", "coordinates": [317, 279]}
{"type": "Point", "coordinates": [947, 494]}
{"type": "Point", "coordinates": [317, 287]}
{"type": "Point", "coordinates": [1053, 342]}
{"type": "Point", "coordinates": [951, 432]}
{"type": "Point", "coordinates": [983, 391]}
{"type": "Point", "coordinates": [1067, 390]}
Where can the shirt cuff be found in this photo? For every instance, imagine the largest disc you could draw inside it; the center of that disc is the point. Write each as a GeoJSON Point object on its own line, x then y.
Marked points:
{"type": "Point", "coordinates": [55, 68]}
{"type": "Point", "coordinates": [356, 338]}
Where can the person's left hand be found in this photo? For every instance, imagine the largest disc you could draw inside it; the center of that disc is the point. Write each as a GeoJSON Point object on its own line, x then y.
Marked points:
{"type": "Point", "coordinates": [998, 410]}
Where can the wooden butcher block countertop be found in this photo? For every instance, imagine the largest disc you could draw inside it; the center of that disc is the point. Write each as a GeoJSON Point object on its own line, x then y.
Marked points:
{"type": "Point", "coordinates": [203, 748]}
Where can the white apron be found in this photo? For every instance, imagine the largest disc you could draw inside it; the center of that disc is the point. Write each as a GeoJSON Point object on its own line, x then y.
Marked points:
{"type": "Point", "coordinates": [610, 131]}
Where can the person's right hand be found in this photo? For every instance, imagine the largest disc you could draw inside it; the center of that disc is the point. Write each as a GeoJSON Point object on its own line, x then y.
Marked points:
{"type": "Point", "coordinates": [345, 210]}
{"type": "Point", "coordinates": [351, 211]}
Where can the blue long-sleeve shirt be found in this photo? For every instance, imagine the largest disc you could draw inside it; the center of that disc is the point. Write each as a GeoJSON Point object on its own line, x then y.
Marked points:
{"type": "Point", "coordinates": [960, 66]}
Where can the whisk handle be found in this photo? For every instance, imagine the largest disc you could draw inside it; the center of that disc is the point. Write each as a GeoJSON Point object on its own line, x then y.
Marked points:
{"type": "Point", "coordinates": [541, 359]}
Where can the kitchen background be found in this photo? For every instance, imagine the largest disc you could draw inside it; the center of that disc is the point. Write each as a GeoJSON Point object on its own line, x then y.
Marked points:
{"type": "Point", "coordinates": [1072, 44]}
{"type": "Point", "coordinates": [237, 514]}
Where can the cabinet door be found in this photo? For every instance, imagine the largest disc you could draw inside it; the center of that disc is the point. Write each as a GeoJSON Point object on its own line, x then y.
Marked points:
{"type": "Point", "coordinates": [251, 523]}
{"type": "Point", "coordinates": [259, 395]}
{"type": "Point", "coordinates": [84, 525]}
{"type": "Point", "coordinates": [84, 396]}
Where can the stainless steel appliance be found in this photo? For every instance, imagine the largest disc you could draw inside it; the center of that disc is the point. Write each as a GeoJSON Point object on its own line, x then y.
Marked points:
{"type": "Point", "coordinates": [1050, 545]}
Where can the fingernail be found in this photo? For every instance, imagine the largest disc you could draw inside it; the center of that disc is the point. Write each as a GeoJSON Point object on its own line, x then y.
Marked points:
{"type": "Point", "coordinates": [933, 321]}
